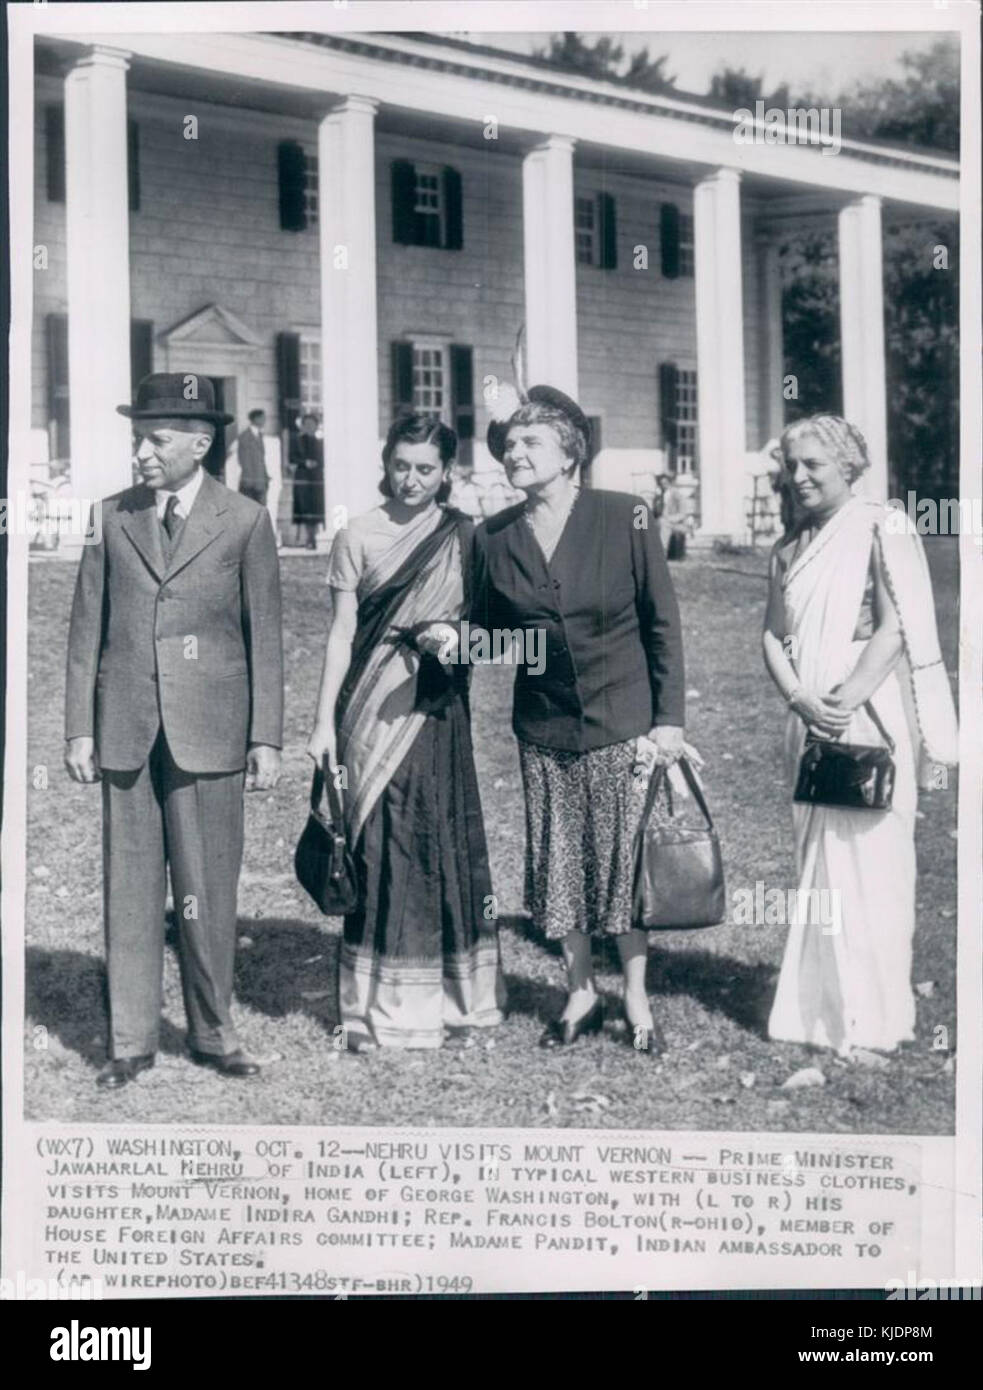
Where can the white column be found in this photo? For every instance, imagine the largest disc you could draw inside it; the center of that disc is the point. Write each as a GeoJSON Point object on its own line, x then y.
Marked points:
{"type": "Point", "coordinates": [550, 269]}
{"type": "Point", "coordinates": [98, 238]}
{"type": "Point", "coordinates": [862, 333]}
{"type": "Point", "coordinates": [349, 330]}
{"type": "Point", "coordinates": [772, 356]}
{"type": "Point", "coordinates": [720, 353]}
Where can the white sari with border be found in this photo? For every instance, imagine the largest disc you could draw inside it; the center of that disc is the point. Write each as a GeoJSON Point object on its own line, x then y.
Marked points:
{"type": "Point", "coordinates": [846, 982]}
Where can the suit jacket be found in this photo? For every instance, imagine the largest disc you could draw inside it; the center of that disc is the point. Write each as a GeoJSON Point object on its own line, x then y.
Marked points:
{"type": "Point", "coordinates": [252, 459]}
{"type": "Point", "coordinates": [192, 644]}
{"type": "Point", "coordinates": [613, 647]}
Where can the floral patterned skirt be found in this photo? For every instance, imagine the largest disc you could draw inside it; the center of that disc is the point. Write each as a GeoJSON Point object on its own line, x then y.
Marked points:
{"type": "Point", "coordinates": [582, 813]}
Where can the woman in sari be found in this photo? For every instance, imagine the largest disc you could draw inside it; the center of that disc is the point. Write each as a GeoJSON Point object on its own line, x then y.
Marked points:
{"type": "Point", "coordinates": [851, 620]}
{"type": "Point", "coordinates": [421, 952]}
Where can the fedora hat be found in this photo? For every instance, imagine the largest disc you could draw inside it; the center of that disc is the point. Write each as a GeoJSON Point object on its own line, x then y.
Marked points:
{"type": "Point", "coordinates": [176, 396]}
{"type": "Point", "coordinates": [540, 395]}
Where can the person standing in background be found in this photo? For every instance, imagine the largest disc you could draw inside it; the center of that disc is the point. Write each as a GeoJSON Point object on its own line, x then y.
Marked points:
{"type": "Point", "coordinates": [254, 479]}
{"type": "Point", "coordinates": [308, 461]}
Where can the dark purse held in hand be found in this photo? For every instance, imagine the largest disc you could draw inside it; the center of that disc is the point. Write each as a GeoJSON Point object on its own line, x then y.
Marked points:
{"type": "Point", "coordinates": [854, 776]}
{"type": "Point", "coordinates": [679, 870]}
{"type": "Point", "coordinates": [323, 861]}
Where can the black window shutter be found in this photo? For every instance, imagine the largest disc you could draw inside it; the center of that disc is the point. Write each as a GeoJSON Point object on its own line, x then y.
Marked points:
{"type": "Point", "coordinates": [462, 396]}
{"type": "Point", "coordinates": [292, 175]}
{"type": "Point", "coordinates": [453, 210]}
{"type": "Point", "coordinates": [667, 403]}
{"type": "Point", "coordinates": [609, 232]}
{"type": "Point", "coordinates": [402, 372]}
{"type": "Point", "coordinates": [669, 236]}
{"type": "Point", "coordinates": [54, 140]}
{"type": "Point", "coordinates": [141, 350]}
{"type": "Point", "coordinates": [133, 165]}
{"type": "Point", "coordinates": [595, 436]}
{"type": "Point", "coordinates": [288, 378]}
{"type": "Point", "coordinates": [56, 343]}
{"type": "Point", "coordinates": [404, 201]}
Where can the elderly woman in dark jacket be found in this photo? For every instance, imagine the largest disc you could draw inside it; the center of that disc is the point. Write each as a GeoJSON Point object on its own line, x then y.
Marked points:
{"type": "Point", "coordinates": [586, 569]}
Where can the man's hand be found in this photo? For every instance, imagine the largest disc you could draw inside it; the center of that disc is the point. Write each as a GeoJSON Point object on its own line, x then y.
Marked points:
{"type": "Point", "coordinates": [660, 747]}
{"type": "Point", "coordinates": [262, 768]}
{"type": "Point", "coordinates": [80, 759]}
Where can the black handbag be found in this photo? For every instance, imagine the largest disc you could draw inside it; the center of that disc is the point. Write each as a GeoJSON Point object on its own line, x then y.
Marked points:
{"type": "Point", "coordinates": [322, 860]}
{"type": "Point", "coordinates": [856, 776]}
{"type": "Point", "coordinates": [679, 870]}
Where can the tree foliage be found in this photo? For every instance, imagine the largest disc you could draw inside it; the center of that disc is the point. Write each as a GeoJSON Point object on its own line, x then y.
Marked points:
{"type": "Point", "coordinates": [605, 59]}
{"type": "Point", "coordinates": [921, 287]}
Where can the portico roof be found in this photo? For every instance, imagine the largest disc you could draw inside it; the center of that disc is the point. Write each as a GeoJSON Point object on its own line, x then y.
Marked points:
{"type": "Point", "coordinates": [418, 80]}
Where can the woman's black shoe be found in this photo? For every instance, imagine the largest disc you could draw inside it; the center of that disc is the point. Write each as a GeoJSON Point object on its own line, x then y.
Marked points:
{"type": "Point", "coordinates": [561, 1033]}
{"type": "Point", "coordinates": [651, 1040]}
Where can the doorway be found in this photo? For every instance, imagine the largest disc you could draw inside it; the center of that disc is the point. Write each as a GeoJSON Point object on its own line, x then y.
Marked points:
{"type": "Point", "coordinates": [225, 400]}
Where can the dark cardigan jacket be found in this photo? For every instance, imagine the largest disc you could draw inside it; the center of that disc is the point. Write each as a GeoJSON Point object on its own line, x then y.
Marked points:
{"type": "Point", "coordinates": [613, 645]}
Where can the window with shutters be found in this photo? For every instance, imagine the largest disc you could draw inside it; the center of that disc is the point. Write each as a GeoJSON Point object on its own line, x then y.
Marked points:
{"type": "Point", "coordinates": [686, 244]}
{"type": "Point", "coordinates": [430, 378]}
{"type": "Point", "coordinates": [427, 205]}
{"type": "Point", "coordinates": [595, 230]}
{"type": "Point", "coordinates": [311, 188]}
{"type": "Point", "coordinates": [686, 421]}
{"type": "Point", "coordinates": [585, 224]}
{"type": "Point", "coordinates": [310, 374]}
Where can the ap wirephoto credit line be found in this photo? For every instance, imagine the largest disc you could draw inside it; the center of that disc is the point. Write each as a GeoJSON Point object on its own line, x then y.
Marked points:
{"type": "Point", "coordinates": [494, 548]}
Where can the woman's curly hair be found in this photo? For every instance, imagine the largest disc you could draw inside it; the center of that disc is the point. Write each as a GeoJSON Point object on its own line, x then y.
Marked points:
{"type": "Point", "coordinates": [844, 441]}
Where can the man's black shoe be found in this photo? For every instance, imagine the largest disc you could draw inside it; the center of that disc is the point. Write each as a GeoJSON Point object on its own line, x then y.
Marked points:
{"type": "Point", "coordinates": [235, 1064]}
{"type": "Point", "coordinates": [119, 1070]}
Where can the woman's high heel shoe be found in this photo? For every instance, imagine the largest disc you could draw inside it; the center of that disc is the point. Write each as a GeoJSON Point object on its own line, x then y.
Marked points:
{"type": "Point", "coordinates": [651, 1040]}
{"type": "Point", "coordinates": [561, 1032]}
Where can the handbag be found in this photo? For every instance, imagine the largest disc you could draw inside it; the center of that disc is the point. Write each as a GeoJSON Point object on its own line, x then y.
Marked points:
{"type": "Point", "coordinates": [322, 861]}
{"type": "Point", "coordinates": [679, 870]}
{"type": "Point", "coordinates": [857, 776]}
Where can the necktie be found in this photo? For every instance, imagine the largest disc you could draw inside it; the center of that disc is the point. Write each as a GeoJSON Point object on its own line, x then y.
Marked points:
{"type": "Point", "coordinates": [172, 522]}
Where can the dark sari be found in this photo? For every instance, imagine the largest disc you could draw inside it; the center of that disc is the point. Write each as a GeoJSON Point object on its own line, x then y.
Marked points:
{"type": "Point", "coordinates": [421, 953]}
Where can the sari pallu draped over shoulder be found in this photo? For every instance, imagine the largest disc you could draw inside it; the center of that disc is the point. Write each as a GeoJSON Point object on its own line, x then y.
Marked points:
{"type": "Point", "coordinates": [383, 702]}
{"type": "Point", "coordinates": [845, 979]}
{"type": "Point", "coordinates": [823, 592]}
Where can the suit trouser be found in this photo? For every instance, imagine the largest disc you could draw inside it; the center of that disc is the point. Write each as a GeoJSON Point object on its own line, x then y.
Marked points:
{"type": "Point", "coordinates": [257, 491]}
{"type": "Point", "coordinates": [155, 816]}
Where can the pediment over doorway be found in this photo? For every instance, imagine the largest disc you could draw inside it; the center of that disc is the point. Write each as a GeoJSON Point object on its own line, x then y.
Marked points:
{"type": "Point", "coordinates": [212, 326]}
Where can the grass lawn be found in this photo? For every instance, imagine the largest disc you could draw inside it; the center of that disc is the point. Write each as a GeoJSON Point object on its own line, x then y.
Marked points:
{"type": "Point", "coordinates": [712, 988]}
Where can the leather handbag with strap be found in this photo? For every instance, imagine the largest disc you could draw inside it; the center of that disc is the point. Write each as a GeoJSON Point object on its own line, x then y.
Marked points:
{"type": "Point", "coordinates": [855, 776]}
{"type": "Point", "coordinates": [323, 861]}
{"type": "Point", "coordinates": [679, 870]}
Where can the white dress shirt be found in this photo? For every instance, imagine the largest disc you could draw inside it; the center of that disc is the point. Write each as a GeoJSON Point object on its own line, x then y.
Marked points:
{"type": "Point", "coordinates": [185, 495]}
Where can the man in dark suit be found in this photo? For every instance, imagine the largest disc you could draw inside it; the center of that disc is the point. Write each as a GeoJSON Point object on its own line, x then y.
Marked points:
{"type": "Point", "coordinates": [174, 700]}
{"type": "Point", "coordinates": [254, 480]}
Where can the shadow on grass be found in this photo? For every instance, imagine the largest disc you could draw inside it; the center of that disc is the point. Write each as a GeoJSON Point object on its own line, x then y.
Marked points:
{"type": "Point", "coordinates": [66, 992]}
{"type": "Point", "coordinates": [288, 964]}
{"type": "Point", "coordinates": [722, 984]}
{"type": "Point", "coordinates": [292, 967]}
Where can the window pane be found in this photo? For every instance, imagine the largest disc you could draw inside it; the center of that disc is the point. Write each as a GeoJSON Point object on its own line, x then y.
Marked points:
{"type": "Point", "coordinates": [310, 374]}
{"type": "Point", "coordinates": [686, 422]}
{"type": "Point", "coordinates": [428, 379]}
{"type": "Point", "coordinates": [428, 206]}
{"type": "Point", "coordinates": [685, 244]}
{"type": "Point", "coordinates": [583, 223]}
{"type": "Point", "coordinates": [310, 188]}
